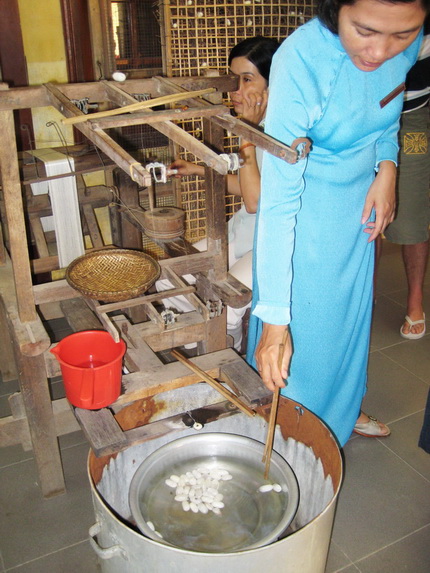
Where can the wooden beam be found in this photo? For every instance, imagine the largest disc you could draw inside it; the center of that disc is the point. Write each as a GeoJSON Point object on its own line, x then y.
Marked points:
{"type": "Point", "coordinates": [112, 149]}
{"type": "Point", "coordinates": [174, 132]}
{"type": "Point", "coordinates": [136, 105]}
{"type": "Point", "coordinates": [38, 96]}
{"type": "Point", "coordinates": [12, 196]}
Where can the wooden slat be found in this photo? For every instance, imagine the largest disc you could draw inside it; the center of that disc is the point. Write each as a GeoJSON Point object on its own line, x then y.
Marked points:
{"type": "Point", "coordinates": [101, 430]}
{"type": "Point", "coordinates": [154, 380]}
{"type": "Point", "coordinates": [39, 237]}
{"type": "Point", "coordinates": [93, 226]}
{"type": "Point", "coordinates": [177, 423]}
{"type": "Point", "coordinates": [245, 381]}
{"type": "Point", "coordinates": [257, 137]}
{"type": "Point", "coordinates": [79, 315]}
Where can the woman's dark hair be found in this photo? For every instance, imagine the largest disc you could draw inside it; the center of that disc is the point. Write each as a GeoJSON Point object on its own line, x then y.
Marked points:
{"type": "Point", "coordinates": [259, 51]}
{"type": "Point", "coordinates": [328, 10]}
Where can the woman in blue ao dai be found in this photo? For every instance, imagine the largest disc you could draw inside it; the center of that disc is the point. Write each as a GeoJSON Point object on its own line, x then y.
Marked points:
{"type": "Point", "coordinates": [337, 80]}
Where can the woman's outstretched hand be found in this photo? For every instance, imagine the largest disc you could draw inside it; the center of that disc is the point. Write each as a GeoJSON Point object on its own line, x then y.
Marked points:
{"type": "Point", "coordinates": [184, 168]}
{"type": "Point", "coordinates": [267, 355]}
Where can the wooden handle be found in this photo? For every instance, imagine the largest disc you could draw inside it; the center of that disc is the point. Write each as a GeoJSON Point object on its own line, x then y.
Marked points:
{"type": "Point", "coordinates": [162, 100]}
{"type": "Point", "coordinates": [273, 412]}
{"type": "Point", "coordinates": [214, 383]}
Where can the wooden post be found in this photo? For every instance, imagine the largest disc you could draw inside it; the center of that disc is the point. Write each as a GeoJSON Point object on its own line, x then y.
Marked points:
{"type": "Point", "coordinates": [29, 342]}
{"type": "Point", "coordinates": [216, 226]}
{"type": "Point", "coordinates": [38, 407]}
{"type": "Point", "coordinates": [128, 190]}
{"type": "Point", "coordinates": [11, 183]}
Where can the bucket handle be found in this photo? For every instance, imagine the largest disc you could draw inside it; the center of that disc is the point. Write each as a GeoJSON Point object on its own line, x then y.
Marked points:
{"type": "Point", "coordinates": [87, 387]}
{"type": "Point", "coordinates": [108, 552]}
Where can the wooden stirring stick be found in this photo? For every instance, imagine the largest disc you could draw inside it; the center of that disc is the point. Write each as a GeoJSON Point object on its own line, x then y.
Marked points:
{"type": "Point", "coordinates": [214, 383]}
{"type": "Point", "coordinates": [273, 411]}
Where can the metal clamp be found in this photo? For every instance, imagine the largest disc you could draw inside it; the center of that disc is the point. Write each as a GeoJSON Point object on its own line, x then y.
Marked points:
{"type": "Point", "coordinates": [158, 171]}
{"type": "Point", "coordinates": [234, 160]}
{"type": "Point", "coordinates": [168, 316]}
{"type": "Point", "coordinates": [215, 308]}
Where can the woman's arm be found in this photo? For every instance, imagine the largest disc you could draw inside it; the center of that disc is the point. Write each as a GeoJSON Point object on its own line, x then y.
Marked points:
{"type": "Point", "coordinates": [254, 110]}
{"type": "Point", "coordinates": [295, 103]}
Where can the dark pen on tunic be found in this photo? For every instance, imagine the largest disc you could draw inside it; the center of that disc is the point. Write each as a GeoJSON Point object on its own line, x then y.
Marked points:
{"type": "Point", "coordinates": [396, 91]}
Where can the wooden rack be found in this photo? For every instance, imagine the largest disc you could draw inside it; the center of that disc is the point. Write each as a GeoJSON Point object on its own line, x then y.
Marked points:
{"type": "Point", "coordinates": [37, 420]}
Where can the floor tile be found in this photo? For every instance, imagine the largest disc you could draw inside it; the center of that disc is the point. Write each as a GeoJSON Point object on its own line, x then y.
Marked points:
{"type": "Point", "coordinates": [348, 569]}
{"type": "Point", "coordinates": [403, 442]}
{"type": "Point", "coordinates": [409, 555]}
{"type": "Point", "coordinates": [9, 387]}
{"type": "Point", "coordinates": [387, 318]}
{"type": "Point", "coordinates": [4, 406]}
{"type": "Point", "coordinates": [413, 355]}
{"type": "Point", "coordinates": [337, 560]}
{"type": "Point", "coordinates": [14, 455]}
{"type": "Point", "coordinates": [393, 392]}
{"type": "Point", "coordinates": [381, 501]}
{"type": "Point", "coordinates": [73, 439]}
{"type": "Point", "coordinates": [79, 557]}
{"type": "Point", "coordinates": [399, 296]}
{"type": "Point", "coordinates": [61, 521]}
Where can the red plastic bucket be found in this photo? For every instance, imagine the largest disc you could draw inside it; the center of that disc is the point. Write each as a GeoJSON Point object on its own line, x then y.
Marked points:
{"type": "Point", "coordinates": [91, 365]}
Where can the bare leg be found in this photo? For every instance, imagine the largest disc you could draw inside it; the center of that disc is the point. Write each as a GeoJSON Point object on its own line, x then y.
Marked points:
{"type": "Point", "coordinates": [415, 260]}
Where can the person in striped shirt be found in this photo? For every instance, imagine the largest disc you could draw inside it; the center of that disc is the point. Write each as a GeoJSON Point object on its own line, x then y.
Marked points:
{"type": "Point", "coordinates": [410, 227]}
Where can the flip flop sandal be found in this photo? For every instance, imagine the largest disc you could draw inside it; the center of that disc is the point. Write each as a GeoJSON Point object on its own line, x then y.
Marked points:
{"type": "Point", "coordinates": [412, 335]}
{"type": "Point", "coordinates": [371, 429]}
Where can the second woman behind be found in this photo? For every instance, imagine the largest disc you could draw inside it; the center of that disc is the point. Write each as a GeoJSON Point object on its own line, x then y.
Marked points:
{"type": "Point", "coordinates": [250, 61]}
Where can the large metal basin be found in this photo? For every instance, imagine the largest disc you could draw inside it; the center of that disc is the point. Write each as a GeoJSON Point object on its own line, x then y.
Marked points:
{"type": "Point", "coordinates": [301, 438]}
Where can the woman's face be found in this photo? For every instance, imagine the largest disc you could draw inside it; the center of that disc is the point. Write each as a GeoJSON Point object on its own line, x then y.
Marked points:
{"type": "Point", "coordinates": [250, 81]}
{"type": "Point", "coordinates": [374, 31]}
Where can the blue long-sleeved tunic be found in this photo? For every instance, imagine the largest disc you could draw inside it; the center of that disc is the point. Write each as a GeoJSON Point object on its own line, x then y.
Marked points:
{"type": "Point", "coordinates": [313, 264]}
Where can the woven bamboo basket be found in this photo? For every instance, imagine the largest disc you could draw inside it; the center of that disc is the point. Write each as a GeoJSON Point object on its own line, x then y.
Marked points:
{"type": "Point", "coordinates": [113, 275]}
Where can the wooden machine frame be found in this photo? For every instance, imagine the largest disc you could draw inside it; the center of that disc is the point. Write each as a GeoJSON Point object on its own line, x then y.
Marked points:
{"type": "Point", "coordinates": [37, 420]}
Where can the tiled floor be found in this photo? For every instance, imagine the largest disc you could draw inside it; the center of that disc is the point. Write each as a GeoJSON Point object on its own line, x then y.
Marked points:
{"type": "Point", "coordinates": [382, 523]}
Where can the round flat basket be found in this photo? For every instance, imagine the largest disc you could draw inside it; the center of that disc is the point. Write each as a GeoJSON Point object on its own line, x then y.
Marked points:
{"type": "Point", "coordinates": [113, 275]}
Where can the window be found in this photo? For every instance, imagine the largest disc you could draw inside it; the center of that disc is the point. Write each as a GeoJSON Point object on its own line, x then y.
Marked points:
{"type": "Point", "coordinates": [136, 34]}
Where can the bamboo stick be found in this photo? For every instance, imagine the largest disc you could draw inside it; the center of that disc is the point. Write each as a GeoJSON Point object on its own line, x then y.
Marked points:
{"type": "Point", "coordinates": [214, 383]}
{"type": "Point", "coordinates": [273, 412]}
{"type": "Point", "coordinates": [162, 100]}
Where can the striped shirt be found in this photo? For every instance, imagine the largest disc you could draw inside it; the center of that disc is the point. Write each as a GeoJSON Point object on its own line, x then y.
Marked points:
{"type": "Point", "coordinates": [418, 79]}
